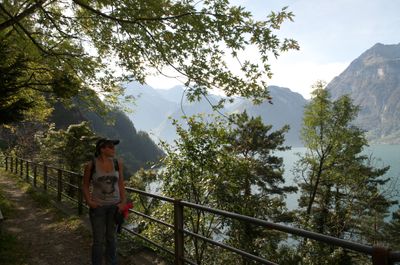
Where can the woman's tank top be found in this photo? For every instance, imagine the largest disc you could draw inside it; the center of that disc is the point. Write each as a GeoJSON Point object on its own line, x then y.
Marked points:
{"type": "Point", "coordinates": [105, 185]}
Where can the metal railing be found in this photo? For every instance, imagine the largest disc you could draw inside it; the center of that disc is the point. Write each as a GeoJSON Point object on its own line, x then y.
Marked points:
{"type": "Point", "coordinates": [63, 183]}
{"type": "Point", "coordinates": [53, 178]}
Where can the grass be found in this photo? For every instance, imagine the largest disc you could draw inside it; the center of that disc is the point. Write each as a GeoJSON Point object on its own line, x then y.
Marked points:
{"type": "Point", "coordinates": [11, 251]}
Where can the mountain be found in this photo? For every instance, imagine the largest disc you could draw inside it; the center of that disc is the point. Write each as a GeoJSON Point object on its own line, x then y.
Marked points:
{"type": "Point", "coordinates": [154, 107]}
{"type": "Point", "coordinates": [287, 108]}
{"type": "Point", "coordinates": [173, 94]}
{"type": "Point", "coordinates": [166, 131]}
{"type": "Point", "coordinates": [150, 108]}
{"type": "Point", "coordinates": [373, 82]}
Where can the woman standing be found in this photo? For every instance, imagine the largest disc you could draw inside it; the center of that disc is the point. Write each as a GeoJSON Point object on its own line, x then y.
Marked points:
{"type": "Point", "coordinates": [105, 199]}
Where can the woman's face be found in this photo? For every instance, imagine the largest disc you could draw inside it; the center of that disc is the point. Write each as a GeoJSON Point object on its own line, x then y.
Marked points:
{"type": "Point", "coordinates": [108, 149]}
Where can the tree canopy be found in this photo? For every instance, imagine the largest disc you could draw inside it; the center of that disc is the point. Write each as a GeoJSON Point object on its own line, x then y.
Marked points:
{"type": "Point", "coordinates": [73, 47]}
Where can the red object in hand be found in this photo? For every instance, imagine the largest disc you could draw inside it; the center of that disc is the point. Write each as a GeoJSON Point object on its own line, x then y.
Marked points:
{"type": "Point", "coordinates": [125, 211]}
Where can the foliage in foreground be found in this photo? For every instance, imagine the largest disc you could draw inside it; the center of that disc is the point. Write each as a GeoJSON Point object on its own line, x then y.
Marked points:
{"type": "Point", "coordinates": [230, 166]}
{"type": "Point", "coordinates": [65, 49]}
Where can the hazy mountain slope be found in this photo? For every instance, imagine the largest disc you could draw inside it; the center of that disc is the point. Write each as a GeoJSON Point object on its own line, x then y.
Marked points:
{"type": "Point", "coordinates": [166, 131]}
{"type": "Point", "coordinates": [154, 108]}
{"type": "Point", "coordinates": [173, 94]}
{"type": "Point", "coordinates": [150, 107]}
{"type": "Point", "coordinates": [287, 108]}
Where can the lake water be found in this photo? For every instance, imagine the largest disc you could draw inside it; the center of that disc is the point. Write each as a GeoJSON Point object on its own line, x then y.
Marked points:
{"type": "Point", "coordinates": [385, 155]}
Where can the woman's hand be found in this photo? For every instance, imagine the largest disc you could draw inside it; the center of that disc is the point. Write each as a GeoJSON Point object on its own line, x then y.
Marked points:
{"type": "Point", "coordinates": [92, 204]}
{"type": "Point", "coordinates": [121, 207]}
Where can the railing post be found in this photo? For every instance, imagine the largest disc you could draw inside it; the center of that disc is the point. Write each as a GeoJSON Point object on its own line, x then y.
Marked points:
{"type": "Point", "coordinates": [59, 184]}
{"type": "Point", "coordinates": [45, 177]}
{"type": "Point", "coordinates": [21, 167]}
{"type": "Point", "coordinates": [80, 195]}
{"type": "Point", "coordinates": [6, 163]}
{"type": "Point", "coordinates": [34, 174]}
{"type": "Point", "coordinates": [178, 230]}
{"type": "Point", "coordinates": [380, 256]}
{"type": "Point", "coordinates": [11, 164]}
{"type": "Point", "coordinates": [27, 171]}
{"type": "Point", "coordinates": [16, 165]}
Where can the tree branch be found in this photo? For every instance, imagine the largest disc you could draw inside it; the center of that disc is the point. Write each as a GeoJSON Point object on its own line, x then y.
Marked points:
{"type": "Point", "coordinates": [136, 20]}
{"type": "Point", "coordinates": [15, 19]}
{"type": "Point", "coordinates": [57, 27]}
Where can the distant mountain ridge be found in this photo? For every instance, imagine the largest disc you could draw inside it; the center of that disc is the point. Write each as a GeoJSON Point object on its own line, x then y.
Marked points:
{"type": "Point", "coordinates": [373, 82]}
{"type": "Point", "coordinates": [155, 105]}
{"type": "Point", "coordinates": [287, 108]}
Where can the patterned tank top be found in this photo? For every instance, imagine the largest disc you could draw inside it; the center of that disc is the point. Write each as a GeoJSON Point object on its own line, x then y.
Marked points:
{"type": "Point", "coordinates": [105, 185]}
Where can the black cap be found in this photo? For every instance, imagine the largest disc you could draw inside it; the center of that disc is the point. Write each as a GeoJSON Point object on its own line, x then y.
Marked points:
{"type": "Point", "coordinates": [102, 142]}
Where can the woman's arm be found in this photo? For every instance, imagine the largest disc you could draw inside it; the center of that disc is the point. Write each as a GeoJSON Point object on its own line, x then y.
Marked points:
{"type": "Point", "coordinates": [121, 185]}
{"type": "Point", "coordinates": [86, 183]}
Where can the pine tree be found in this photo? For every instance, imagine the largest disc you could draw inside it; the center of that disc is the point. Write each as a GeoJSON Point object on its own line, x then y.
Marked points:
{"type": "Point", "coordinates": [340, 188]}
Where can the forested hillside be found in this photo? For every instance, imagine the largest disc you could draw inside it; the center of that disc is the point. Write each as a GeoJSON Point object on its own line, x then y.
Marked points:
{"type": "Point", "coordinates": [136, 148]}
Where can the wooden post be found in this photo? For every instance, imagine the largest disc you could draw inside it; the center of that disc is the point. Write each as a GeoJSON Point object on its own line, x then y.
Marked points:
{"type": "Point", "coordinates": [27, 171]}
{"type": "Point", "coordinates": [59, 184]}
{"type": "Point", "coordinates": [45, 177]}
{"type": "Point", "coordinates": [380, 256]}
{"type": "Point", "coordinates": [179, 236]}
{"type": "Point", "coordinates": [34, 174]}
{"type": "Point", "coordinates": [6, 163]}
{"type": "Point", "coordinates": [80, 195]}
{"type": "Point", "coordinates": [21, 167]}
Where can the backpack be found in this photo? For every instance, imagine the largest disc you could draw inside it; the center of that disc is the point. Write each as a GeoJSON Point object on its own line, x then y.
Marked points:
{"type": "Point", "coordinates": [93, 169]}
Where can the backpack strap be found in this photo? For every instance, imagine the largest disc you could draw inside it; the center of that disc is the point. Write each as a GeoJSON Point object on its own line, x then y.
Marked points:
{"type": "Point", "coordinates": [93, 168]}
{"type": "Point", "coordinates": [116, 164]}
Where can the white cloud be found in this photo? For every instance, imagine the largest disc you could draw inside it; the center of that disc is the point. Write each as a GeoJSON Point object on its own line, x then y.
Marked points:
{"type": "Point", "coordinates": [300, 76]}
{"type": "Point", "coordinates": [162, 82]}
{"type": "Point", "coordinates": [167, 80]}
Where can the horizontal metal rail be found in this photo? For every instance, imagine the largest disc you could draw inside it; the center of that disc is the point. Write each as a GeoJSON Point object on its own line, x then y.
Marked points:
{"type": "Point", "coordinates": [163, 198]}
{"type": "Point", "coordinates": [149, 241]}
{"type": "Point", "coordinates": [287, 229]}
{"type": "Point", "coordinates": [152, 218]}
{"type": "Point", "coordinates": [50, 178]}
{"type": "Point", "coordinates": [238, 251]}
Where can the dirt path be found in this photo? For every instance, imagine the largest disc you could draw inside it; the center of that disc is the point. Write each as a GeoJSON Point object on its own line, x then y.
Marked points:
{"type": "Point", "coordinates": [50, 239]}
{"type": "Point", "coordinates": [47, 238]}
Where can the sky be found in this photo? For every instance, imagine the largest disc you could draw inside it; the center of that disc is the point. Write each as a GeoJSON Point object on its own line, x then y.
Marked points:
{"type": "Point", "coordinates": [331, 34]}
